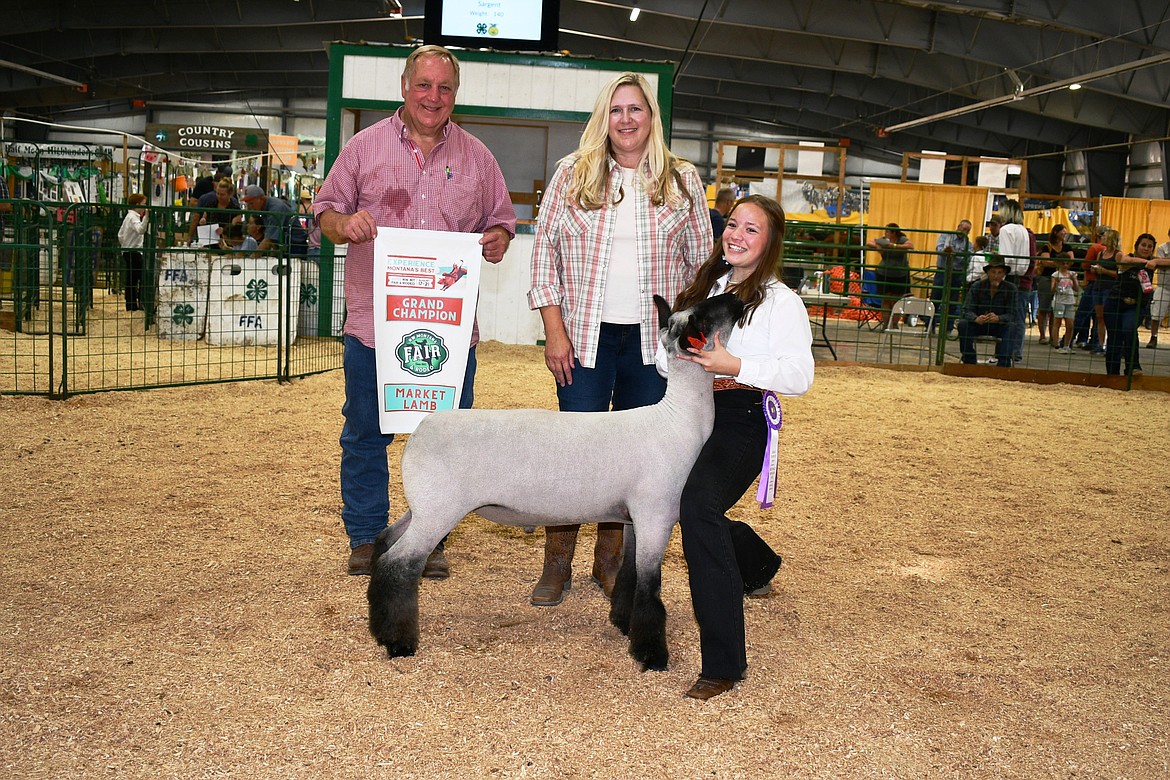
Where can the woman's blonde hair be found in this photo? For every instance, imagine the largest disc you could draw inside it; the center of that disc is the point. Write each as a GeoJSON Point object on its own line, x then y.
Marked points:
{"type": "Point", "coordinates": [1011, 212]}
{"type": "Point", "coordinates": [658, 168]}
{"type": "Point", "coordinates": [1111, 240]}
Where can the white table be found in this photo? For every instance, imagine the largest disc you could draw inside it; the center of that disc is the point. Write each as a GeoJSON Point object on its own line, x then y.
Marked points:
{"type": "Point", "coordinates": [824, 300]}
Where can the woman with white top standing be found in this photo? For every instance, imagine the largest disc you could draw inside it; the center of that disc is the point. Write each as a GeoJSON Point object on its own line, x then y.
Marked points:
{"type": "Point", "coordinates": [769, 352]}
{"type": "Point", "coordinates": [1015, 245]}
{"type": "Point", "coordinates": [622, 220]}
{"type": "Point", "coordinates": [130, 239]}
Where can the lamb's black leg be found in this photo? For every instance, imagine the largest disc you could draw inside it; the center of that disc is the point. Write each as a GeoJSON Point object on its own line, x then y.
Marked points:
{"type": "Point", "coordinates": [622, 603]}
{"type": "Point", "coordinates": [393, 599]}
{"type": "Point", "coordinates": [648, 623]}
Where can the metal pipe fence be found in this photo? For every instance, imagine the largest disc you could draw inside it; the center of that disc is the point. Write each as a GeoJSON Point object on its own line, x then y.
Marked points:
{"type": "Point", "coordinates": [70, 321]}
{"type": "Point", "coordinates": [837, 276]}
{"type": "Point", "coordinates": [78, 314]}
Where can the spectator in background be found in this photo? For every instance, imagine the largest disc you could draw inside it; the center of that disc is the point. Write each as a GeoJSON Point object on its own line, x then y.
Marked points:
{"type": "Point", "coordinates": [254, 228]}
{"type": "Point", "coordinates": [236, 239]}
{"type": "Point", "coordinates": [130, 235]}
{"type": "Point", "coordinates": [219, 206]}
{"type": "Point", "coordinates": [1016, 246]}
{"type": "Point", "coordinates": [416, 151]}
{"type": "Point", "coordinates": [1050, 258]}
{"type": "Point", "coordinates": [1064, 302]}
{"type": "Point", "coordinates": [992, 234]}
{"type": "Point", "coordinates": [1105, 266]}
{"type": "Point", "coordinates": [1123, 306]}
{"type": "Point", "coordinates": [978, 260]}
{"type": "Point", "coordinates": [892, 274]}
{"type": "Point", "coordinates": [990, 309]}
{"type": "Point", "coordinates": [5, 208]}
{"type": "Point", "coordinates": [280, 224]}
{"type": "Point", "coordinates": [953, 251]}
{"type": "Point", "coordinates": [724, 199]}
{"type": "Point", "coordinates": [1088, 333]}
{"type": "Point", "coordinates": [1160, 306]}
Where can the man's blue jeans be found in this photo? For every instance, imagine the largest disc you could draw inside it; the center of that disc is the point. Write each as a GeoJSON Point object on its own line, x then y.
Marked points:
{"type": "Point", "coordinates": [365, 474]}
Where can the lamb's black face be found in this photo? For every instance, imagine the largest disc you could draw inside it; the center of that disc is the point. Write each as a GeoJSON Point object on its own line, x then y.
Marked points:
{"type": "Point", "coordinates": [696, 326]}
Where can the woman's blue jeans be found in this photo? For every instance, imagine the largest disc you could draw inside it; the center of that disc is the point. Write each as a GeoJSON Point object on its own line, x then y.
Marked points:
{"type": "Point", "coordinates": [619, 380]}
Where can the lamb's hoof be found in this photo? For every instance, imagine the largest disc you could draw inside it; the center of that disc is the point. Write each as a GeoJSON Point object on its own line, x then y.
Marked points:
{"type": "Point", "coordinates": [399, 649]}
{"type": "Point", "coordinates": [653, 659]}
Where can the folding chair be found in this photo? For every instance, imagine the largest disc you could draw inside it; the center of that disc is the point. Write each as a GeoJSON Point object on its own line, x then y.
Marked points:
{"type": "Point", "coordinates": [914, 316]}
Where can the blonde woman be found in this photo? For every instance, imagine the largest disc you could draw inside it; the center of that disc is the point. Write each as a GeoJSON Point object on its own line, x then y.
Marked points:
{"type": "Point", "coordinates": [622, 220]}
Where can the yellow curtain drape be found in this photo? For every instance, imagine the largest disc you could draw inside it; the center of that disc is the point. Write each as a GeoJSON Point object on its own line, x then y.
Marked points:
{"type": "Point", "coordinates": [922, 210]}
{"type": "Point", "coordinates": [1041, 222]}
{"type": "Point", "coordinates": [822, 216]}
{"type": "Point", "coordinates": [1159, 221]}
{"type": "Point", "coordinates": [1132, 217]}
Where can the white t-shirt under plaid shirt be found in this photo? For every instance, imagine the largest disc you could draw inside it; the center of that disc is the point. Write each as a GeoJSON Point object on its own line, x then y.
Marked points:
{"type": "Point", "coordinates": [457, 188]}
{"type": "Point", "coordinates": [572, 249]}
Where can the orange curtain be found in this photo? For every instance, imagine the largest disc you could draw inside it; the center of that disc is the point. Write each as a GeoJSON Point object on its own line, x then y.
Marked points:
{"type": "Point", "coordinates": [1132, 217]}
{"type": "Point", "coordinates": [922, 210]}
{"type": "Point", "coordinates": [1159, 222]}
{"type": "Point", "coordinates": [1042, 222]}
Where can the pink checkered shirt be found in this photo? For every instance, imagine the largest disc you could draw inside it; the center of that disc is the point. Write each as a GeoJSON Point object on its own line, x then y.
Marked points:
{"type": "Point", "coordinates": [458, 188]}
{"type": "Point", "coordinates": [570, 256]}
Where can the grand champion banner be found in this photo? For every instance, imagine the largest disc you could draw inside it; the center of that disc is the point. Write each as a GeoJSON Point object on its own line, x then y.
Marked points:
{"type": "Point", "coordinates": [426, 284]}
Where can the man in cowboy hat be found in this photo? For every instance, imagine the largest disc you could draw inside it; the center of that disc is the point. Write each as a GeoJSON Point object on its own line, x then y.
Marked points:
{"type": "Point", "coordinates": [989, 310]}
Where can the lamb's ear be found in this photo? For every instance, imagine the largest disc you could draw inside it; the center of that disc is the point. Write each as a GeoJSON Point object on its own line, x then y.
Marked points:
{"type": "Point", "coordinates": [663, 311]}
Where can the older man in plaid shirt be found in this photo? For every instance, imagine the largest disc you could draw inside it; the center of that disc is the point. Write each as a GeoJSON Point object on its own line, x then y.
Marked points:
{"type": "Point", "coordinates": [414, 170]}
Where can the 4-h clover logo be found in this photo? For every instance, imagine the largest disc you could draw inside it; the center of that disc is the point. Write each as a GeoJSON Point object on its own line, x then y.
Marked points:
{"type": "Point", "coordinates": [183, 314]}
{"type": "Point", "coordinates": [257, 290]}
{"type": "Point", "coordinates": [481, 29]}
{"type": "Point", "coordinates": [308, 294]}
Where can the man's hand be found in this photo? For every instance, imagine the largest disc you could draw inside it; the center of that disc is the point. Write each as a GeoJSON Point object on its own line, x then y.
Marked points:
{"type": "Point", "coordinates": [348, 228]}
{"type": "Point", "coordinates": [495, 243]}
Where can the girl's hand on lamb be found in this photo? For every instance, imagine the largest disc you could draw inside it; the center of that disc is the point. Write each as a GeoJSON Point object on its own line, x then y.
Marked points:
{"type": "Point", "coordinates": [716, 360]}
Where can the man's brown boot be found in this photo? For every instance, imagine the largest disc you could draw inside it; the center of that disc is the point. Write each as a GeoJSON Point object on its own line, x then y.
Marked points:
{"type": "Point", "coordinates": [361, 560]}
{"type": "Point", "coordinates": [559, 543]}
{"type": "Point", "coordinates": [607, 556]}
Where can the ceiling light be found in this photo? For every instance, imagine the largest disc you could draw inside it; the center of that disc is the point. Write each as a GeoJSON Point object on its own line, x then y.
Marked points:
{"type": "Point", "coordinates": [634, 13]}
{"type": "Point", "coordinates": [1074, 86]}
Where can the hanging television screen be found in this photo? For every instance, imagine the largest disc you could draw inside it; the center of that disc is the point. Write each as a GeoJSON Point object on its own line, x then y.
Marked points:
{"type": "Point", "coordinates": [507, 25]}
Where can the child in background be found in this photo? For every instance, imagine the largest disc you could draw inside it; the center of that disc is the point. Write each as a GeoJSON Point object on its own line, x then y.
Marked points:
{"type": "Point", "coordinates": [978, 259]}
{"type": "Point", "coordinates": [234, 239]}
{"type": "Point", "coordinates": [1064, 304]}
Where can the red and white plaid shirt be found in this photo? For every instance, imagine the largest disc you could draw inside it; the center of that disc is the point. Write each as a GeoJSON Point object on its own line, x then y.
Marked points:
{"type": "Point", "coordinates": [570, 255]}
{"type": "Point", "coordinates": [458, 188]}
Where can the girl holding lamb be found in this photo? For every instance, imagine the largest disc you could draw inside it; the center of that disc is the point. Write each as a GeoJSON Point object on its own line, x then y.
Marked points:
{"type": "Point", "coordinates": [768, 352]}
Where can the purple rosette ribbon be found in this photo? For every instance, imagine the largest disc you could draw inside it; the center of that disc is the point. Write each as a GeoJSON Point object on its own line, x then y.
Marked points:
{"type": "Point", "coordinates": [775, 418]}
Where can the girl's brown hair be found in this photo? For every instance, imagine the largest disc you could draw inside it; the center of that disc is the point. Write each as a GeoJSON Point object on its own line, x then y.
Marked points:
{"type": "Point", "coordinates": [750, 291]}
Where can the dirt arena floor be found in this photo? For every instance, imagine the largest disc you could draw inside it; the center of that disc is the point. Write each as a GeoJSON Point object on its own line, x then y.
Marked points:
{"type": "Point", "coordinates": [974, 585]}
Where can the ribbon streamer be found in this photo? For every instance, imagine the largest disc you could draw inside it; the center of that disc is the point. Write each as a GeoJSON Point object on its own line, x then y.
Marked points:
{"type": "Point", "coordinates": [775, 418]}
